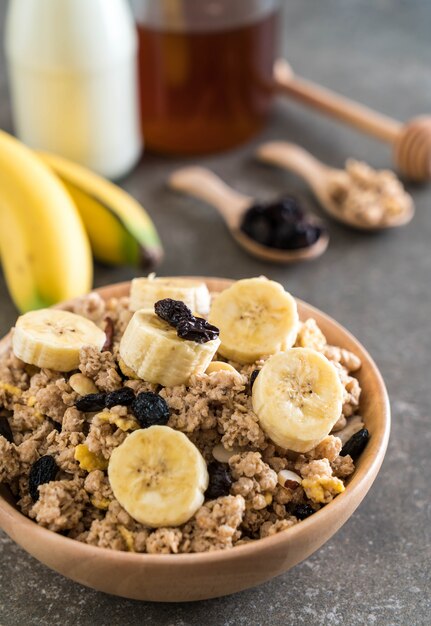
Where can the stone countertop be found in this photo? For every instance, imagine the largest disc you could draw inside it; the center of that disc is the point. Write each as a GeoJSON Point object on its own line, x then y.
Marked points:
{"type": "Point", "coordinates": [374, 571]}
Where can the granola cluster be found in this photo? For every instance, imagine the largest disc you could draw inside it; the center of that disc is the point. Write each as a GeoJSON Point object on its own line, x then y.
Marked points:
{"type": "Point", "coordinates": [369, 196]}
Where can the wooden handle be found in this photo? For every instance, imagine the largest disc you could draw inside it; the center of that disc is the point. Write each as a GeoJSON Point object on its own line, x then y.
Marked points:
{"type": "Point", "coordinates": [291, 157]}
{"type": "Point", "coordinates": [205, 185]}
{"type": "Point", "coordinates": [357, 115]}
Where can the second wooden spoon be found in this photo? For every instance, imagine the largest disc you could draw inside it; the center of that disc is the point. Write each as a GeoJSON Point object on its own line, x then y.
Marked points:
{"type": "Point", "coordinates": [201, 183]}
{"type": "Point", "coordinates": [291, 157]}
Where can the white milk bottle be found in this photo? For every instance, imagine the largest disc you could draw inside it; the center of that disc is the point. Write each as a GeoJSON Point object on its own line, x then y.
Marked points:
{"type": "Point", "coordinates": [73, 77]}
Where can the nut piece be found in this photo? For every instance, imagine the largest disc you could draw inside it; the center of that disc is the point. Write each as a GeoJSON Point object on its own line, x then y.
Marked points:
{"type": "Point", "coordinates": [217, 366]}
{"type": "Point", "coordinates": [289, 479]}
{"type": "Point", "coordinates": [82, 384]}
{"type": "Point", "coordinates": [222, 454]}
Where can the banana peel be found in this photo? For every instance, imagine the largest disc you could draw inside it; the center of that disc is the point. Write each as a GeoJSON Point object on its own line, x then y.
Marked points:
{"type": "Point", "coordinates": [119, 229]}
{"type": "Point", "coordinates": [44, 247]}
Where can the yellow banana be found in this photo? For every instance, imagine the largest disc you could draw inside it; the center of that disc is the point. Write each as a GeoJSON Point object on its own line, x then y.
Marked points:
{"type": "Point", "coordinates": [159, 476]}
{"type": "Point", "coordinates": [45, 250]}
{"type": "Point", "coordinates": [120, 231]}
{"type": "Point", "coordinates": [52, 339]}
{"type": "Point", "coordinates": [151, 348]}
{"type": "Point", "coordinates": [256, 318]}
{"type": "Point", "coordinates": [297, 397]}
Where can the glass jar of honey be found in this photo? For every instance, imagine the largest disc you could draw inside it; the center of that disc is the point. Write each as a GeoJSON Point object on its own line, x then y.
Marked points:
{"type": "Point", "coordinates": [205, 71]}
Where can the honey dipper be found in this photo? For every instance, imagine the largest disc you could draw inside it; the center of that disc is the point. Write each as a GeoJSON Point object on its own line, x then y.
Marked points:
{"type": "Point", "coordinates": [411, 141]}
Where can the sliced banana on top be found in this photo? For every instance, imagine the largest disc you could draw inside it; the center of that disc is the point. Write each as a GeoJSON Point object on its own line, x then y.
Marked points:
{"type": "Point", "coordinates": [159, 476]}
{"type": "Point", "coordinates": [145, 292]}
{"type": "Point", "coordinates": [297, 397]}
{"type": "Point", "coordinates": [151, 348]}
{"type": "Point", "coordinates": [52, 339]}
{"type": "Point", "coordinates": [256, 318]}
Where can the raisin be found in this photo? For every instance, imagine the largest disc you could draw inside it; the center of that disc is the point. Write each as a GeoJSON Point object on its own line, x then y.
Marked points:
{"type": "Point", "coordinates": [172, 311]}
{"type": "Point", "coordinates": [284, 236]}
{"type": "Point", "coordinates": [44, 470]}
{"type": "Point", "coordinates": [302, 511]}
{"type": "Point", "coordinates": [91, 402]}
{"type": "Point", "coordinates": [305, 235]}
{"type": "Point", "coordinates": [5, 429]}
{"type": "Point", "coordinates": [124, 397]}
{"type": "Point", "coordinates": [197, 329]}
{"type": "Point", "coordinates": [109, 332]}
{"type": "Point", "coordinates": [281, 224]}
{"type": "Point", "coordinates": [189, 327]}
{"type": "Point", "coordinates": [356, 444]}
{"type": "Point", "coordinates": [220, 480]}
{"type": "Point", "coordinates": [289, 208]}
{"type": "Point", "coordinates": [256, 225]}
{"type": "Point", "coordinates": [150, 409]}
{"type": "Point", "coordinates": [253, 377]}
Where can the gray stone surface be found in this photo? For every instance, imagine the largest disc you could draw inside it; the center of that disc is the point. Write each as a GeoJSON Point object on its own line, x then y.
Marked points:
{"type": "Point", "coordinates": [376, 569]}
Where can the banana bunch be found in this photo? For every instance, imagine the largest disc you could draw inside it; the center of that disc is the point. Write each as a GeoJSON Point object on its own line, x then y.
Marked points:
{"type": "Point", "coordinates": [53, 213]}
{"type": "Point", "coordinates": [119, 230]}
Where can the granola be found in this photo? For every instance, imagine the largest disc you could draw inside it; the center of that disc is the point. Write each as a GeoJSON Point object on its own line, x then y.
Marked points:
{"type": "Point", "coordinates": [212, 410]}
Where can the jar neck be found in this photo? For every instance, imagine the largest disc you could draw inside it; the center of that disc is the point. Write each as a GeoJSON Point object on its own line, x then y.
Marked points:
{"type": "Point", "coordinates": [201, 15]}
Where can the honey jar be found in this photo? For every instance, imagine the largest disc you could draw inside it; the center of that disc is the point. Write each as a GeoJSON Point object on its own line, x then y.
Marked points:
{"type": "Point", "coordinates": [205, 71]}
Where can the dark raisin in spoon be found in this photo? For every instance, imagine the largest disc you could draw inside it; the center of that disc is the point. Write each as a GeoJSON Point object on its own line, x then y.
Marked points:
{"type": "Point", "coordinates": [281, 224]}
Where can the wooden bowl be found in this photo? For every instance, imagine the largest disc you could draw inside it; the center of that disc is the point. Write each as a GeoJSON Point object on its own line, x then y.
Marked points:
{"type": "Point", "coordinates": [185, 577]}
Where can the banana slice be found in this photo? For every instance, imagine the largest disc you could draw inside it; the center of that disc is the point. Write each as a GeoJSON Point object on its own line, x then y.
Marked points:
{"type": "Point", "coordinates": [297, 397]}
{"type": "Point", "coordinates": [159, 476]}
{"type": "Point", "coordinates": [151, 348]}
{"type": "Point", "coordinates": [145, 292]}
{"type": "Point", "coordinates": [52, 339]}
{"type": "Point", "coordinates": [256, 318]}
{"type": "Point", "coordinates": [127, 371]}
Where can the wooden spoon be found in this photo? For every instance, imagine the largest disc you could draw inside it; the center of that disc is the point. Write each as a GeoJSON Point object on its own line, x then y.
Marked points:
{"type": "Point", "coordinates": [318, 175]}
{"type": "Point", "coordinates": [203, 184]}
{"type": "Point", "coordinates": [411, 141]}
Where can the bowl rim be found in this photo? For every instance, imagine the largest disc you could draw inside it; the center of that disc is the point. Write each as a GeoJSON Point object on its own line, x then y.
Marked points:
{"type": "Point", "coordinates": [378, 443]}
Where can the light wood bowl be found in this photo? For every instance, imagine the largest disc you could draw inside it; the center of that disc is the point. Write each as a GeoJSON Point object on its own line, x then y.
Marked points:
{"type": "Point", "coordinates": [186, 577]}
